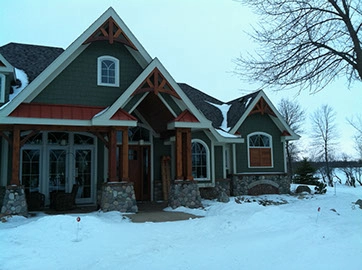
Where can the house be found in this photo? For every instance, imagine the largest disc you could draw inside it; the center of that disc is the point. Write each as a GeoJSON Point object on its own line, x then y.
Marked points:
{"type": "Point", "coordinates": [105, 115]}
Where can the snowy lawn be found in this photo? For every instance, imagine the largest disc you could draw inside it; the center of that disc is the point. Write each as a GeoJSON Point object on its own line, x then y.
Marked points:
{"type": "Point", "coordinates": [234, 235]}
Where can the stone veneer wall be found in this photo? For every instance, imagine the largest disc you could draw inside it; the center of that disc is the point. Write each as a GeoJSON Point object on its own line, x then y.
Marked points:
{"type": "Point", "coordinates": [118, 196]}
{"type": "Point", "coordinates": [221, 191]}
{"type": "Point", "coordinates": [14, 201]}
{"type": "Point", "coordinates": [184, 193]}
{"type": "Point", "coordinates": [242, 183]}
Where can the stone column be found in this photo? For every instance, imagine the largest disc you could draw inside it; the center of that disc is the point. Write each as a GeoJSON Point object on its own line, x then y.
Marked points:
{"type": "Point", "coordinates": [184, 193]}
{"type": "Point", "coordinates": [14, 201]}
{"type": "Point", "coordinates": [118, 196]}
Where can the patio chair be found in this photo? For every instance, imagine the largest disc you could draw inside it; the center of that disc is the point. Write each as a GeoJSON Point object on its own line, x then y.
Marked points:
{"type": "Point", "coordinates": [35, 201]}
{"type": "Point", "coordinates": [65, 201]}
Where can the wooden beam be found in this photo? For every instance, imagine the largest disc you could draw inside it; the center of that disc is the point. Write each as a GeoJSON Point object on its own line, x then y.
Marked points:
{"type": "Point", "coordinates": [125, 172]}
{"type": "Point", "coordinates": [15, 157]}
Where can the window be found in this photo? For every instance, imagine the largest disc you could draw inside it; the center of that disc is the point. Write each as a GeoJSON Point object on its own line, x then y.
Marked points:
{"type": "Point", "coordinates": [200, 160]}
{"type": "Point", "coordinates": [260, 150]}
{"type": "Point", "coordinates": [108, 71]}
{"type": "Point", "coordinates": [2, 88]}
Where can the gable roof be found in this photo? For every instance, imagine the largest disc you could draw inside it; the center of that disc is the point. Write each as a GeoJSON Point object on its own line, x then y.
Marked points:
{"type": "Point", "coordinates": [61, 62]}
{"type": "Point", "coordinates": [32, 59]}
{"type": "Point", "coordinates": [201, 101]}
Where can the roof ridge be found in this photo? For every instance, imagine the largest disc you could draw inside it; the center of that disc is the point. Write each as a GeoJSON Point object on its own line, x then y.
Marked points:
{"type": "Point", "coordinates": [34, 45]}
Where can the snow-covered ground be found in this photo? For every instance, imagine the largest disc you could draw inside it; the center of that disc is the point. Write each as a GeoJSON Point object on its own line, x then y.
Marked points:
{"type": "Point", "coordinates": [234, 235]}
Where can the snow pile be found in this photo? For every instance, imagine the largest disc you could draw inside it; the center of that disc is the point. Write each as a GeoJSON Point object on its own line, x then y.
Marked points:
{"type": "Point", "coordinates": [241, 234]}
{"type": "Point", "coordinates": [24, 81]}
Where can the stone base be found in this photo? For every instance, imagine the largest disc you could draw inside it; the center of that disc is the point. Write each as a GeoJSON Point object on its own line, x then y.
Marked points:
{"type": "Point", "coordinates": [249, 184]}
{"type": "Point", "coordinates": [221, 191]}
{"type": "Point", "coordinates": [184, 193]}
{"type": "Point", "coordinates": [118, 196]}
{"type": "Point", "coordinates": [14, 202]}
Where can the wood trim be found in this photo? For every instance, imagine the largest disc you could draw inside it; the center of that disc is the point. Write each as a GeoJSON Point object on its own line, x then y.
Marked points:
{"type": "Point", "coordinates": [262, 107]}
{"type": "Point", "coordinates": [102, 34]}
{"type": "Point", "coordinates": [124, 155]}
{"type": "Point", "coordinates": [153, 85]}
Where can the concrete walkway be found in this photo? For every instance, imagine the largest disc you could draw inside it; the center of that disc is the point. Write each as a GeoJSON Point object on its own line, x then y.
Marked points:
{"type": "Point", "coordinates": [153, 212]}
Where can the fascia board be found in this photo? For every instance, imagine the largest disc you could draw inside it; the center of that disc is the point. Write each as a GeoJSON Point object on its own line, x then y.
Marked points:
{"type": "Point", "coordinates": [65, 122]}
{"type": "Point", "coordinates": [197, 125]}
{"type": "Point", "coordinates": [222, 139]}
{"type": "Point", "coordinates": [129, 123]}
{"type": "Point", "coordinates": [44, 121]}
{"type": "Point", "coordinates": [279, 120]}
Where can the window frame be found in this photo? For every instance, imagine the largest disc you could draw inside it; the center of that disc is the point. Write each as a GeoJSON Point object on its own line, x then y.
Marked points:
{"type": "Point", "coordinates": [2, 88]}
{"type": "Point", "coordinates": [207, 150]}
{"type": "Point", "coordinates": [100, 60]}
{"type": "Point", "coordinates": [270, 147]}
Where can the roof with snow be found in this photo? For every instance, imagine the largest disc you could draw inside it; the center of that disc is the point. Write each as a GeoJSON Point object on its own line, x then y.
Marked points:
{"type": "Point", "coordinates": [32, 59]}
{"type": "Point", "coordinates": [208, 106]}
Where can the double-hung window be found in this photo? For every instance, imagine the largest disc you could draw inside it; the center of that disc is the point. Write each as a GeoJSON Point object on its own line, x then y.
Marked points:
{"type": "Point", "coordinates": [108, 71]}
{"type": "Point", "coordinates": [260, 150]}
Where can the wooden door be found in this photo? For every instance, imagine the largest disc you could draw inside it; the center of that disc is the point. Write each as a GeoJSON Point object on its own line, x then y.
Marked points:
{"type": "Point", "coordinates": [139, 170]}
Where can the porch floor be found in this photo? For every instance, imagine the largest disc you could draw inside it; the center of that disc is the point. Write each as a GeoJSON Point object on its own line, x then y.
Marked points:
{"type": "Point", "coordinates": [147, 212]}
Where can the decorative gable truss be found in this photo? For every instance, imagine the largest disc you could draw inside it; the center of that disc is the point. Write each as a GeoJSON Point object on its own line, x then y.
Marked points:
{"type": "Point", "coordinates": [261, 104]}
{"type": "Point", "coordinates": [112, 32]}
{"type": "Point", "coordinates": [156, 82]}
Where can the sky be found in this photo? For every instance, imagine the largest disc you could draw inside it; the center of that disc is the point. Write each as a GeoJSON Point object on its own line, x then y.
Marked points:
{"type": "Point", "coordinates": [197, 42]}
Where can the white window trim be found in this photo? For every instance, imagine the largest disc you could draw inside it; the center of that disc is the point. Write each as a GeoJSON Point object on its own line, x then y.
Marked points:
{"type": "Point", "coordinates": [271, 149]}
{"type": "Point", "coordinates": [2, 88]}
{"type": "Point", "coordinates": [208, 176]}
{"type": "Point", "coordinates": [99, 70]}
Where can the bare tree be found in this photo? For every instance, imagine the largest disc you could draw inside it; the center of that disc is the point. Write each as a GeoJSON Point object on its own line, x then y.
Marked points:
{"type": "Point", "coordinates": [324, 134]}
{"type": "Point", "coordinates": [294, 116]}
{"type": "Point", "coordinates": [304, 43]}
{"type": "Point", "coordinates": [356, 123]}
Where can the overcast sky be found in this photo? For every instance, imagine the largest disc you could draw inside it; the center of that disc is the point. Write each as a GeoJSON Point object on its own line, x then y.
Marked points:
{"type": "Point", "coordinates": [196, 40]}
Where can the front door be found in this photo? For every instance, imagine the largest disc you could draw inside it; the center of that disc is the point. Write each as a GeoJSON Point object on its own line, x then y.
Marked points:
{"type": "Point", "coordinates": [139, 170]}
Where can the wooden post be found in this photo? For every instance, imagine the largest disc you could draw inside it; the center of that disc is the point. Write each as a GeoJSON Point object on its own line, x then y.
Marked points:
{"type": "Point", "coordinates": [112, 156]}
{"type": "Point", "coordinates": [16, 157]}
{"type": "Point", "coordinates": [125, 173]}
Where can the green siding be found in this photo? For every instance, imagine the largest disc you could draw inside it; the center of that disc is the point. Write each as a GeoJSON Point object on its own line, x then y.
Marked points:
{"type": "Point", "coordinates": [260, 123]}
{"type": "Point", "coordinates": [159, 150]}
{"type": "Point", "coordinates": [77, 83]}
{"type": "Point", "coordinates": [219, 162]}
